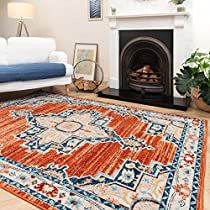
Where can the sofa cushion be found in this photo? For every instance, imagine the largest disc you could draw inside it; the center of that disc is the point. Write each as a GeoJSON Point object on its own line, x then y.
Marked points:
{"type": "Point", "coordinates": [35, 71]}
{"type": "Point", "coordinates": [3, 51]}
{"type": "Point", "coordinates": [23, 50]}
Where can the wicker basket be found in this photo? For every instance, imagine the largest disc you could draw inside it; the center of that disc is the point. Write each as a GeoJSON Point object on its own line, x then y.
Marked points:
{"type": "Point", "coordinates": [84, 85]}
{"type": "Point", "coordinates": [199, 101]}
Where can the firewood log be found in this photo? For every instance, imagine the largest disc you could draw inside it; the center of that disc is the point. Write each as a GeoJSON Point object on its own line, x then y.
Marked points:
{"type": "Point", "coordinates": [134, 75]}
{"type": "Point", "coordinates": [139, 70]}
{"type": "Point", "coordinates": [146, 69]}
{"type": "Point", "coordinates": [80, 85]}
{"type": "Point", "coordinates": [154, 78]}
{"type": "Point", "coordinates": [151, 71]}
{"type": "Point", "coordinates": [89, 85]}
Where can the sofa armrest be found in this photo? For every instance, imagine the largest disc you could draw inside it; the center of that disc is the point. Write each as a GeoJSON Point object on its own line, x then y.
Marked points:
{"type": "Point", "coordinates": [61, 57]}
{"type": "Point", "coordinates": [58, 57]}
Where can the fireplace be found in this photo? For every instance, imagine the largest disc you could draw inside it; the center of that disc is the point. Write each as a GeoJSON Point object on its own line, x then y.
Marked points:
{"type": "Point", "coordinates": [146, 52]}
{"type": "Point", "coordinates": [146, 61]}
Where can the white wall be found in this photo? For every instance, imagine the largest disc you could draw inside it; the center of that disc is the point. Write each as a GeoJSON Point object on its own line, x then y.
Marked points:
{"type": "Point", "coordinates": [201, 24]}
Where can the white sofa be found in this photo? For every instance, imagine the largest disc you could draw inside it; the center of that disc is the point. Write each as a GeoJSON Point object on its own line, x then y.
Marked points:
{"type": "Point", "coordinates": [29, 50]}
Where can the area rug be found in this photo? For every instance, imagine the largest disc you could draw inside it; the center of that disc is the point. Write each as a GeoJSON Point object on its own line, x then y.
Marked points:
{"type": "Point", "coordinates": [58, 152]}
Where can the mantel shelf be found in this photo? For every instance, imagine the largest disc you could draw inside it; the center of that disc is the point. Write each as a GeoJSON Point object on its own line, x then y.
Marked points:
{"type": "Point", "coordinates": [169, 14]}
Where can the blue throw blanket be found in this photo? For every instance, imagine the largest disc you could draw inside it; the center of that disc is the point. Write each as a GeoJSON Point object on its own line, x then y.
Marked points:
{"type": "Point", "coordinates": [34, 71]}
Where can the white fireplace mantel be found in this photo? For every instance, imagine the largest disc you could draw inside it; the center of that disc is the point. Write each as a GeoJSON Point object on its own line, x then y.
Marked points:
{"type": "Point", "coordinates": [178, 18]}
{"type": "Point", "coordinates": [166, 14]}
{"type": "Point", "coordinates": [179, 22]}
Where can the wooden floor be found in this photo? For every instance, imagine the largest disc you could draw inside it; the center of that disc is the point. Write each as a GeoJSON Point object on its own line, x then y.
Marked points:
{"type": "Point", "coordinates": [11, 202]}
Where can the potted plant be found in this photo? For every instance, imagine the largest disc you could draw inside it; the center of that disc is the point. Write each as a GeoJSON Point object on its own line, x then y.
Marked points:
{"type": "Point", "coordinates": [179, 3]}
{"type": "Point", "coordinates": [194, 79]}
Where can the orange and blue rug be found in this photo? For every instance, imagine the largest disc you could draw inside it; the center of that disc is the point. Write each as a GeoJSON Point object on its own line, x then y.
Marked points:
{"type": "Point", "coordinates": [58, 152]}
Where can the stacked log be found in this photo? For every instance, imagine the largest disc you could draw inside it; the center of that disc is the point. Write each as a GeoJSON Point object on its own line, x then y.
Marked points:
{"type": "Point", "coordinates": [85, 85]}
{"type": "Point", "coordinates": [145, 74]}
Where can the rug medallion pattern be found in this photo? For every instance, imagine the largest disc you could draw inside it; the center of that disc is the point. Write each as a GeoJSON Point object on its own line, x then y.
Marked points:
{"type": "Point", "coordinates": [65, 153]}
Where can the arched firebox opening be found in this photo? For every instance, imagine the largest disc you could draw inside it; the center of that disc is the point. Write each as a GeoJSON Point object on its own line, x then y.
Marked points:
{"type": "Point", "coordinates": [145, 63]}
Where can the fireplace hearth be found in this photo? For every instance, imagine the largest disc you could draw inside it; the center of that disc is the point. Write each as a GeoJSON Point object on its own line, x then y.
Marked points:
{"type": "Point", "coordinates": [147, 99]}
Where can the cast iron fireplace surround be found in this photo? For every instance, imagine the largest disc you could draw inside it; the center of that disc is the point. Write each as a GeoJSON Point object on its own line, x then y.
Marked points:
{"type": "Point", "coordinates": [152, 49]}
{"type": "Point", "coordinates": [146, 69]}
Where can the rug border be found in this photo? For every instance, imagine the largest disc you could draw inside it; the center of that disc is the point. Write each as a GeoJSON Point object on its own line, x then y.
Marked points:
{"type": "Point", "coordinates": [138, 108]}
{"type": "Point", "coordinates": [25, 196]}
{"type": "Point", "coordinates": [110, 103]}
{"type": "Point", "coordinates": [200, 204]}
